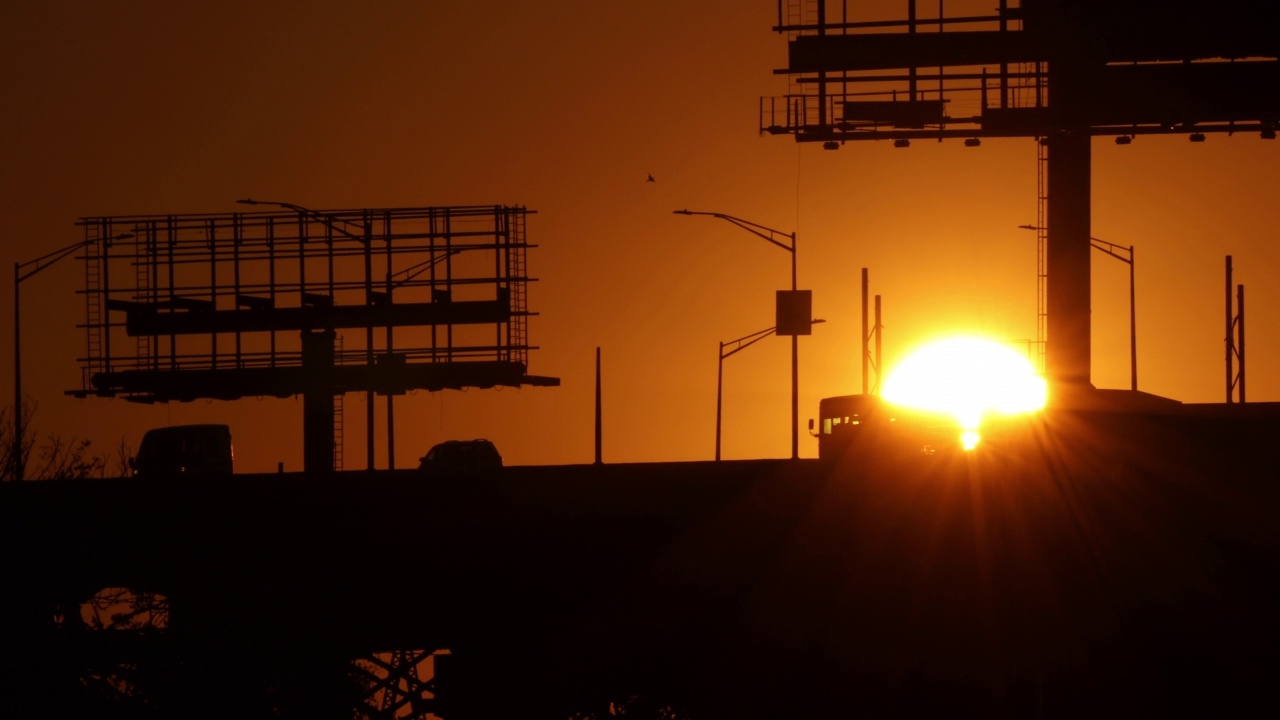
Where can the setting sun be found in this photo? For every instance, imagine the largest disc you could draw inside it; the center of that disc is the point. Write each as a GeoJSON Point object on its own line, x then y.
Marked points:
{"type": "Point", "coordinates": [966, 377]}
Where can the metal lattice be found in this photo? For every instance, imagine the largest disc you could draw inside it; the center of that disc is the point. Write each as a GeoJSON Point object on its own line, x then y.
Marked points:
{"type": "Point", "coordinates": [196, 306]}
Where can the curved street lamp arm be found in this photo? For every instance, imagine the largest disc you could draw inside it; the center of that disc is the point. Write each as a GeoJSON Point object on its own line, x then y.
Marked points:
{"type": "Point", "coordinates": [745, 342]}
{"type": "Point", "coordinates": [48, 259]}
{"type": "Point", "coordinates": [319, 217]}
{"type": "Point", "coordinates": [17, 458]}
{"type": "Point", "coordinates": [762, 231]}
{"type": "Point", "coordinates": [1111, 249]}
{"type": "Point", "coordinates": [1098, 244]}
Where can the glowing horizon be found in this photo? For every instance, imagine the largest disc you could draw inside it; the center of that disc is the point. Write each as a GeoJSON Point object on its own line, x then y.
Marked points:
{"type": "Point", "coordinates": [968, 378]}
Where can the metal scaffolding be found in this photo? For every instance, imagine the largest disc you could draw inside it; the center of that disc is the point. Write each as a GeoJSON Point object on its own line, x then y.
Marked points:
{"type": "Point", "coordinates": [229, 305]}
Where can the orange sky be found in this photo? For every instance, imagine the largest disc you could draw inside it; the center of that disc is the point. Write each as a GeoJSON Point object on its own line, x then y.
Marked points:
{"type": "Point", "coordinates": [146, 107]}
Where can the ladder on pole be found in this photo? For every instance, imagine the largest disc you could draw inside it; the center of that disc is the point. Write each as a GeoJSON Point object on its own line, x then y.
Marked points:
{"type": "Point", "coordinates": [338, 416]}
{"type": "Point", "coordinates": [517, 284]}
{"type": "Point", "coordinates": [94, 325]}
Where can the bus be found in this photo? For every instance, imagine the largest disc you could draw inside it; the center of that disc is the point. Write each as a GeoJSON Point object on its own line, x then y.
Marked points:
{"type": "Point", "coordinates": [869, 422]}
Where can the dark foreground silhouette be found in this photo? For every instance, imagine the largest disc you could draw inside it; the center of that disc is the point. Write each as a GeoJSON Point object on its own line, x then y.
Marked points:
{"type": "Point", "coordinates": [1119, 565]}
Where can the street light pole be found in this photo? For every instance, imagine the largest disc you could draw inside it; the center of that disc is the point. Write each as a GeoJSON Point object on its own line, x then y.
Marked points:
{"type": "Point", "coordinates": [36, 266]}
{"type": "Point", "coordinates": [1114, 251]}
{"type": "Point", "coordinates": [771, 236]}
{"type": "Point", "coordinates": [719, 396]}
{"type": "Point", "coordinates": [739, 344]}
{"type": "Point", "coordinates": [1133, 329]}
{"type": "Point", "coordinates": [795, 368]}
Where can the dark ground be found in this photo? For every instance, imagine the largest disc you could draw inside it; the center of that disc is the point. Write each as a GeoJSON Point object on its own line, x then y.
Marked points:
{"type": "Point", "coordinates": [1108, 565]}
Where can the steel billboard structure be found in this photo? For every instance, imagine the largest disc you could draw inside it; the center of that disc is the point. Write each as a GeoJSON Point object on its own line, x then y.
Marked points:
{"type": "Point", "coordinates": [230, 305]}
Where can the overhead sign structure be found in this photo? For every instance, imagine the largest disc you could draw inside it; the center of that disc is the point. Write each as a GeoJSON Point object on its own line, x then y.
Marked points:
{"type": "Point", "coordinates": [315, 303]}
{"type": "Point", "coordinates": [1063, 71]}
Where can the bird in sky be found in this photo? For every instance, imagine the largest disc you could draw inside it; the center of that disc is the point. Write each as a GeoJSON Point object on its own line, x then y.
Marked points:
{"type": "Point", "coordinates": [651, 178]}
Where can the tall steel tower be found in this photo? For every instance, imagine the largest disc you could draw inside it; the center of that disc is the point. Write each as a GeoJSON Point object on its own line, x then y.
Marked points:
{"type": "Point", "coordinates": [1062, 71]}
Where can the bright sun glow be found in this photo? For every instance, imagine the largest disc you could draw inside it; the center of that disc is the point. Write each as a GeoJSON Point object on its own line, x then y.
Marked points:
{"type": "Point", "coordinates": [966, 377]}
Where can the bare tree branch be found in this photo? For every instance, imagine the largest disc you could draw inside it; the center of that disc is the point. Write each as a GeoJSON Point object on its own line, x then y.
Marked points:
{"type": "Point", "coordinates": [58, 459]}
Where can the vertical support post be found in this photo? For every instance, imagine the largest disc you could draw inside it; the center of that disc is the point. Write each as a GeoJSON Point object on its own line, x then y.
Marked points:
{"type": "Point", "coordinates": [1230, 340]}
{"type": "Point", "coordinates": [1003, 10]}
{"type": "Point", "coordinates": [719, 396]}
{"type": "Point", "coordinates": [1133, 329]}
{"type": "Point", "coordinates": [599, 419]}
{"type": "Point", "coordinates": [237, 236]}
{"type": "Point", "coordinates": [1240, 338]}
{"type": "Point", "coordinates": [18, 428]}
{"type": "Point", "coordinates": [211, 242]}
{"type": "Point", "coordinates": [105, 289]}
{"type": "Point", "coordinates": [879, 365]}
{"type": "Point", "coordinates": [317, 402]}
{"type": "Point", "coordinates": [866, 335]}
{"type": "Point", "coordinates": [1068, 346]}
{"type": "Point", "coordinates": [822, 76]}
{"type": "Point", "coordinates": [795, 397]}
{"type": "Point", "coordinates": [370, 395]}
{"type": "Point", "coordinates": [391, 431]}
{"type": "Point", "coordinates": [911, 71]}
{"type": "Point", "coordinates": [795, 366]}
{"type": "Point", "coordinates": [390, 349]}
